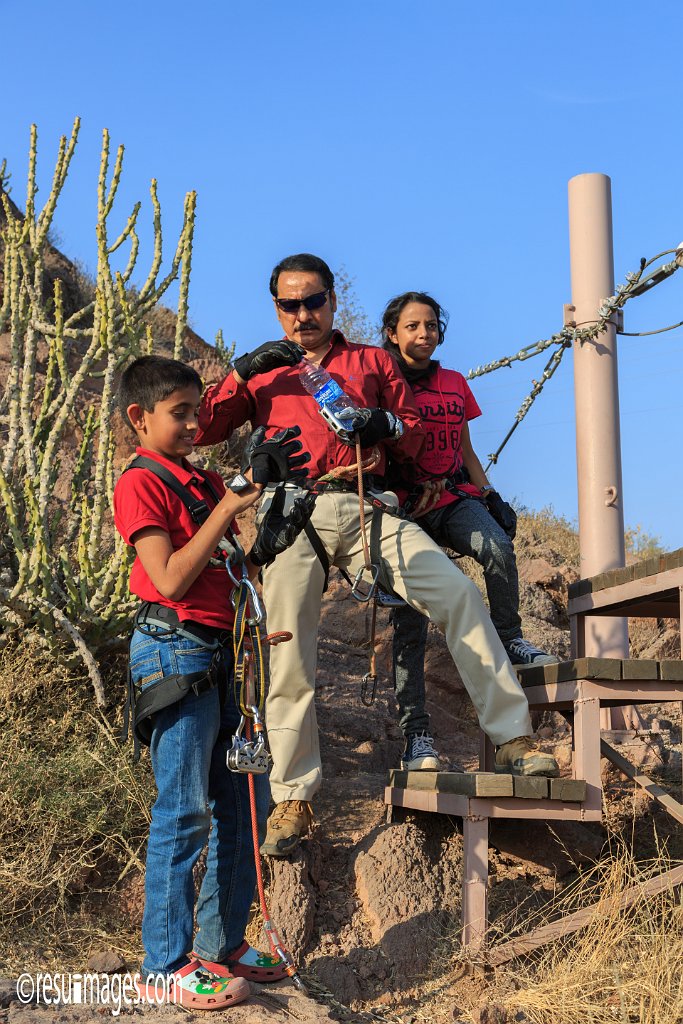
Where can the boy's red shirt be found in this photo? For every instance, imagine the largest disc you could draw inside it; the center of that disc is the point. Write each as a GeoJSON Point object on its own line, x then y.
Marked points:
{"type": "Point", "coordinates": [142, 499]}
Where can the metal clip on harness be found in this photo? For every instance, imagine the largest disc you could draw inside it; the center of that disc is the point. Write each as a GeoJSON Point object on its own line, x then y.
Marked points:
{"type": "Point", "coordinates": [356, 592]}
{"type": "Point", "coordinates": [249, 756]}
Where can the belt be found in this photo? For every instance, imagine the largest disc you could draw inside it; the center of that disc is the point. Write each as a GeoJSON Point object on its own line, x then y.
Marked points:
{"type": "Point", "coordinates": [152, 614]}
{"type": "Point", "coordinates": [371, 482]}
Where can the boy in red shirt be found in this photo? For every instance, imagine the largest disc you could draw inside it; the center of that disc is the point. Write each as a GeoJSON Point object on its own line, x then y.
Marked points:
{"type": "Point", "coordinates": [456, 505]}
{"type": "Point", "coordinates": [184, 630]}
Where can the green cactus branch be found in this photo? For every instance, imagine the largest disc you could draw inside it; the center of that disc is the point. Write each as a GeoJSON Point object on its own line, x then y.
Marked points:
{"type": "Point", "coordinates": [65, 573]}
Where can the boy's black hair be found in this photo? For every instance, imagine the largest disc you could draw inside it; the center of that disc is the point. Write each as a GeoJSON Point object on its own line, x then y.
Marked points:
{"type": "Point", "coordinates": [151, 379]}
{"type": "Point", "coordinates": [304, 262]}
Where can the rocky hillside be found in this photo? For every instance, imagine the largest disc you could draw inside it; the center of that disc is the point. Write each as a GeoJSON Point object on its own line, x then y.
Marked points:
{"type": "Point", "coordinates": [370, 909]}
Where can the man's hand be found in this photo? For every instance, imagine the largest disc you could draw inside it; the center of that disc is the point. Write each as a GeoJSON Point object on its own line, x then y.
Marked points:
{"type": "Point", "coordinates": [504, 514]}
{"type": "Point", "coordinates": [373, 425]}
{"type": "Point", "coordinates": [268, 357]}
{"type": "Point", "coordinates": [276, 459]}
{"type": "Point", "coordinates": [278, 532]}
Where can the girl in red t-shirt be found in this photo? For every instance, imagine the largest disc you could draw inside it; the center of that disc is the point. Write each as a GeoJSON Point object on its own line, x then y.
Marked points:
{"type": "Point", "coordinates": [455, 504]}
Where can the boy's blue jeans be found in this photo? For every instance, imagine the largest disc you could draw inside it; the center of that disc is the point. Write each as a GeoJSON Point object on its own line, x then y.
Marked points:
{"type": "Point", "coordinates": [199, 798]}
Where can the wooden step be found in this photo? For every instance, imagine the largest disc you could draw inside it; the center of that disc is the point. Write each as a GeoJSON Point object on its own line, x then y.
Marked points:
{"type": "Point", "coordinates": [488, 784]}
{"type": "Point", "coordinates": [462, 783]}
{"type": "Point", "coordinates": [579, 668]}
{"type": "Point", "coordinates": [627, 669]}
{"type": "Point", "coordinates": [637, 571]}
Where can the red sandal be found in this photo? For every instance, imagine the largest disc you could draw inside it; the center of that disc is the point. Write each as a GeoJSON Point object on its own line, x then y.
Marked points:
{"type": "Point", "coordinates": [194, 986]}
{"type": "Point", "coordinates": [248, 963]}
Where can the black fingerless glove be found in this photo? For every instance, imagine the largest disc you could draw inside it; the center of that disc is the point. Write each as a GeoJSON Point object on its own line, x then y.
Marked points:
{"type": "Point", "coordinates": [373, 425]}
{"type": "Point", "coordinates": [504, 514]}
{"type": "Point", "coordinates": [277, 531]}
{"type": "Point", "coordinates": [276, 459]}
{"type": "Point", "coordinates": [268, 357]}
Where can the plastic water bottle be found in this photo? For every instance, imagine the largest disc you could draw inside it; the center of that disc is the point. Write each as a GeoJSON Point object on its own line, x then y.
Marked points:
{"type": "Point", "coordinates": [325, 390]}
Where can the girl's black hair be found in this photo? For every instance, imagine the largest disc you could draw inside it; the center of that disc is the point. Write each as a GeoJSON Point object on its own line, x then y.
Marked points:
{"type": "Point", "coordinates": [392, 315]}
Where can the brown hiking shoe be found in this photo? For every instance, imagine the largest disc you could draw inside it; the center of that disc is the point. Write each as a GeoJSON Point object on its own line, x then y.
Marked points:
{"type": "Point", "coordinates": [288, 822]}
{"type": "Point", "coordinates": [522, 756]}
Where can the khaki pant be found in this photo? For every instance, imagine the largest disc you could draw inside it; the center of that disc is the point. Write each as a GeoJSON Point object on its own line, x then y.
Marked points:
{"type": "Point", "coordinates": [418, 570]}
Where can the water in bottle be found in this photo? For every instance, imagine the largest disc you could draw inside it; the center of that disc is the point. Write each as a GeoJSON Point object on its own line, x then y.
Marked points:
{"type": "Point", "coordinates": [324, 388]}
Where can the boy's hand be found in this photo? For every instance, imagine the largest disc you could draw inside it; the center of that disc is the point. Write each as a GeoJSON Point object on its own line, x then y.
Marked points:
{"type": "Point", "coordinates": [268, 357]}
{"type": "Point", "coordinates": [278, 532]}
{"type": "Point", "coordinates": [275, 460]}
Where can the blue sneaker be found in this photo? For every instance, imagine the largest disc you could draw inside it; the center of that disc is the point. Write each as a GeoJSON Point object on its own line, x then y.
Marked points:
{"type": "Point", "coordinates": [419, 754]}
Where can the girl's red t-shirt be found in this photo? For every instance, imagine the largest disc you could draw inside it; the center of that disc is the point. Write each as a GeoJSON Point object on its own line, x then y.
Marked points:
{"type": "Point", "coordinates": [446, 402]}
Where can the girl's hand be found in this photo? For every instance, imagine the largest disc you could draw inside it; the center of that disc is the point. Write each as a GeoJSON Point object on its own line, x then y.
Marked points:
{"type": "Point", "coordinates": [432, 492]}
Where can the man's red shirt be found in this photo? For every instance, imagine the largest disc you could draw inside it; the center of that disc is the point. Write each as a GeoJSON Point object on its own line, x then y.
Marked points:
{"type": "Point", "coordinates": [142, 499]}
{"type": "Point", "coordinates": [278, 399]}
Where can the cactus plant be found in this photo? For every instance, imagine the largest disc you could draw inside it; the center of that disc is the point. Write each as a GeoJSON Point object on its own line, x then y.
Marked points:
{"type": "Point", "coordinates": [61, 569]}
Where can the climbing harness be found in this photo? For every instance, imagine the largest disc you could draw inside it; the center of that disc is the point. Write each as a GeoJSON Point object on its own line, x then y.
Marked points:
{"type": "Point", "coordinates": [228, 546]}
{"type": "Point", "coordinates": [158, 620]}
{"type": "Point", "coordinates": [248, 753]}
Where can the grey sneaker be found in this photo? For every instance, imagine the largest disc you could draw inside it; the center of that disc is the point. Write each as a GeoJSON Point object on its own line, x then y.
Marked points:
{"type": "Point", "coordinates": [419, 754]}
{"type": "Point", "coordinates": [521, 652]}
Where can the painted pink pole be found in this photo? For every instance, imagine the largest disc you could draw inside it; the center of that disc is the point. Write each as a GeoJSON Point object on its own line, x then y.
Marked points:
{"type": "Point", "coordinates": [596, 400]}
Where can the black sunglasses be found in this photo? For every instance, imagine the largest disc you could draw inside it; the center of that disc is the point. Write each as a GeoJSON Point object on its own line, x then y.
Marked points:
{"type": "Point", "coordinates": [311, 302]}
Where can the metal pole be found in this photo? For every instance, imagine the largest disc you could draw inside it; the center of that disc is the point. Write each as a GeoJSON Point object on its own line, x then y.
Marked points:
{"type": "Point", "coordinates": [596, 400]}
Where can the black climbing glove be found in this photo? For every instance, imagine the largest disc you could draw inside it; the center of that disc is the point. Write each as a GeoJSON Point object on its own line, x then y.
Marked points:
{"type": "Point", "coordinates": [278, 532]}
{"type": "Point", "coordinates": [373, 425]}
{"type": "Point", "coordinates": [504, 514]}
{"type": "Point", "coordinates": [268, 357]}
{"type": "Point", "coordinates": [276, 459]}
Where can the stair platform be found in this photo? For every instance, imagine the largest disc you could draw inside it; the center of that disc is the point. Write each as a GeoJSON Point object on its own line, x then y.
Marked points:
{"type": "Point", "coordinates": [579, 688]}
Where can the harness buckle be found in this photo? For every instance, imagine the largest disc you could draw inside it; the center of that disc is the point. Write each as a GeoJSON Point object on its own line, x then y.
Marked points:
{"type": "Point", "coordinates": [249, 756]}
{"type": "Point", "coordinates": [386, 599]}
{"type": "Point", "coordinates": [356, 592]}
{"type": "Point", "coordinates": [368, 699]}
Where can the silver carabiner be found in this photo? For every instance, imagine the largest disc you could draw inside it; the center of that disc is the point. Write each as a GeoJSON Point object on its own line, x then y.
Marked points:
{"type": "Point", "coordinates": [247, 756]}
{"type": "Point", "coordinates": [235, 579]}
{"type": "Point", "coordinates": [355, 589]}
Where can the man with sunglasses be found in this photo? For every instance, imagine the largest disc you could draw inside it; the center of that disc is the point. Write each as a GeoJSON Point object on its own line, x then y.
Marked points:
{"type": "Point", "coordinates": [265, 388]}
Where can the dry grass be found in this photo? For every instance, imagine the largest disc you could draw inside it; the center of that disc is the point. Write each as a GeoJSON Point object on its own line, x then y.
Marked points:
{"type": "Point", "coordinates": [624, 967]}
{"type": "Point", "coordinates": [73, 809]}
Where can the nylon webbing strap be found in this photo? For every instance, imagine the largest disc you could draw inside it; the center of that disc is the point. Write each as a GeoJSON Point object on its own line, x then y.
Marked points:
{"type": "Point", "coordinates": [318, 547]}
{"type": "Point", "coordinates": [249, 673]}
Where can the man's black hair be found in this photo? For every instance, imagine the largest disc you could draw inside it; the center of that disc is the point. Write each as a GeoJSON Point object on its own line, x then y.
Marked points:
{"type": "Point", "coordinates": [304, 263]}
{"type": "Point", "coordinates": [151, 379]}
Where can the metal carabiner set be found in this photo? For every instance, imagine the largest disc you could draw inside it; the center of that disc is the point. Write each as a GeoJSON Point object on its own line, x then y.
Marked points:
{"type": "Point", "coordinates": [248, 753]}
{"type": "Point", "coordinates": [249, 756]}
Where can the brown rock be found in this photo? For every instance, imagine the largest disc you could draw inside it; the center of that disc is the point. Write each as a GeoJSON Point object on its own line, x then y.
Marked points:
{"type": "Point", "coordinates": [106, 961]}
{"type": "Point", "coordinates": [539, 571]}
{"type": "Point", "coordinates": [292, 896]}
{"type": "Point", "coordinates": [408, 882]}
{"type": "Point", "coordinates": [557, 848]}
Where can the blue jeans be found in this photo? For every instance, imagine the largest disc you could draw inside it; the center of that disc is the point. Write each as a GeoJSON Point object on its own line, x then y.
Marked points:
{"type": "Point", "coordinates": [467, 527]}
{"type": "Point", "coordinates": [199, 799]}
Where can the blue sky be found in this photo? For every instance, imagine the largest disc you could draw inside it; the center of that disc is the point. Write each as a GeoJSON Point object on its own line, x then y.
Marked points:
{"type": "Point", "coordinates": [419, 146]}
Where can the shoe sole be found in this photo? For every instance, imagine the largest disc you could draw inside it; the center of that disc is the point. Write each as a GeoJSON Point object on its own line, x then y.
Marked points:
{"type": "Point", "coordinates": [421, 764]}
{"type": "Point", "coordinates": [527, 770]}
{"type": "Point", "coordinates": [280, 850]}
{"type": "Point", "coordinates": [547, 659]}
